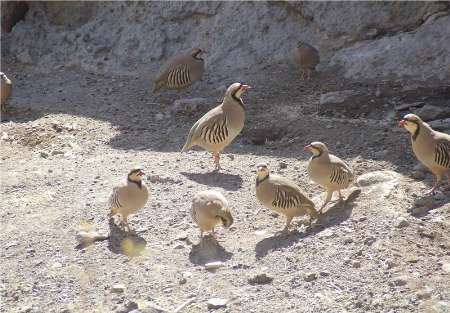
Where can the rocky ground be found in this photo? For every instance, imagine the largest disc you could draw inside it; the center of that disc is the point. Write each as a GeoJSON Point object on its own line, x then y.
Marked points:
{"type": "Point", "coordinates": [71, 135]}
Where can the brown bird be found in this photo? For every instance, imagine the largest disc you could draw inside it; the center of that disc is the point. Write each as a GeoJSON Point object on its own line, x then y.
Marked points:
{"type": "Point", "coordinates": [307, 58]}
{"type": "Point", "coordinates": [129, 197]}
{"type": "Point", "coordinates": [328, 171]}
{"type": "Point", "coordinates": [282, 196]}
{"type": "Point", "coordinates": [209, 209]}
{"type": "Point", "coordinates": [218, 127]}
{"type": "Point", "coordinates": [181, 71]}
{"type": "Point", "coordinates": [6, 88]}
{"type": "Point", "coordinates": [431, 147]}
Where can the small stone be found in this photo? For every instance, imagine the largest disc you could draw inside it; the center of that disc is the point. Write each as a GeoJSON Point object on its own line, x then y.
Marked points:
{"type": "Point", "coordinates": [356, 264]}
{"type": "Point", "coordinates": [446, 267]}
{"type": "Point", "coordinates": [56, 152]}
{"type": "Point", "coordinates": [401, 222]}
{"type": "Point", "coordinates": [179, 246]}
{"type": "Point", "coordinates": [214, 265]}
{"type": "Point", "coordinates": [309, 277]}
{"type": "Point", "coordinates": [189, 105]}
{"type": "Point", "coordinates": [260, 279]}
{"type": "Point", "coordinates": [5, 136]}
{"type": "Point", "coordinates": [56, 265]}
{"type": "Point", "coordinates": [43, 154]}
{"type": "Point", "coordinates": [324, 273]}
{"type": "Point", "coordinates": [118, 288]}
{"type": "Point", "coordinates": [336, 97]}
{"type": "Point", "coordinates": [283, 165]}
{"type": "Point", "coordinates": [369, 241]}
{"type": "Point", "coordinates": [216, 303]}
{"type": "Point", "coordinates": [159, 116]}
{"type": "Point", "coordinates": [400, 280]}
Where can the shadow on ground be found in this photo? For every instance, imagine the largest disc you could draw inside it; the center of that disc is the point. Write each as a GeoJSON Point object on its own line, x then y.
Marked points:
{"type": "Point", "coordinates": [335, 215]}
{"type": "Point", "coordinates": [208, 250]}
{"type": "Point", "coordinates": [216, 179]}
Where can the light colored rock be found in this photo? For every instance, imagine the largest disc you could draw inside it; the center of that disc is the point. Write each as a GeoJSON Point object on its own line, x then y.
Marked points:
{"type": "Point", "coordinates": [431, 112]}
{"type": "Point", "coordinates": [446, 267]}
{"type": "Point", "coordinates": [214, 265]}
{"type": "Point", "coordinates": [118, 288]}
{"type": "Point", "coordinates": [376, 177]}
{"type": "Point", "coordinates": [441, 125]}
{"type": "Point", "coordinates": [401, 222]}
{"type": "Point", "coordinates": [132, 37]}
{"type": "Point", "coordinates": [336, 97]}
{"type": "Point", "coordinates": [216, 303]}
{"type": "Point", "coordinates": [309, 277]}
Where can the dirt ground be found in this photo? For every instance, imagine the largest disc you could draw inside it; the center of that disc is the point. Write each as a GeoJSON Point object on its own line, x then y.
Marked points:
{"type": "Point", "coordinates": [71, 136]}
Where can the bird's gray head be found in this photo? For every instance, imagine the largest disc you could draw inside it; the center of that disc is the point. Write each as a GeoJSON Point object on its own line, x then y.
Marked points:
{"type": "Point", "coordinates": [3, 76]}
{"type": "Point", "coordinates": [236, 90]}
{"type": "Point", "coordinates": [317, 148]}
{"type": "Point", "coordinates": [197, 53]}
{"type": "Point", "coordinates": [136, 174]}
{"type": "Point", "coordinates": [411, 122]}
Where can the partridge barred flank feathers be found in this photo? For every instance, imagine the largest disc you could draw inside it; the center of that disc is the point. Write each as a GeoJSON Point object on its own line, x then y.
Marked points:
{"type": "Point", "coordinates": [328, 171]}
{"type": "Point", "coordinates": [181, 71]}
{"type": "Point", "coordinates": [210, 208]}
{"type": "Point", "coordinates": [6, 87]}
{"type": "Point", "coordinates": [218, 127]}
{"type": "Point", "coordinates": [282, 196]}
{"type": "Point", "coordinates": [431, 147]}
{"type": "Point", "coordinates": [129, 197]}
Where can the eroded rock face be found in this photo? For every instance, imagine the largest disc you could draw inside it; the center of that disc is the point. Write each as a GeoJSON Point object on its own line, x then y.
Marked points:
{"type": "Point", "coordinates": [366, 39]}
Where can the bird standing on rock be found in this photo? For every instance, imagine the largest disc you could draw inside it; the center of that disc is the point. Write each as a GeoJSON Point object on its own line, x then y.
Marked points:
{"type": "Point", "coordinates": [181, 71]}
{"type": "Point", "coordinates": [328, 171]}
{"type": "Point", "coordinates": [218, 127]}
{"type": "Point", "coordinates": [210, 208]}
{"type": "Point", "coordinates": [282, 196]}
{"type": "Point", "coordinates": [431, 147]}
{"type": "Point", "coordinates": [129, 197]}
{"type": "Point", "coordinates": [307, 58]}
{"type": "Point", "coordinates": [6, 88]}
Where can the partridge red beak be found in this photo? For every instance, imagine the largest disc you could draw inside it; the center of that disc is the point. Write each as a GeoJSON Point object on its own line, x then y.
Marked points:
{"type": "Point", "coordinates": [401, 123]}
{"type": "Point", "coordinates": [245, 87]}
{"type": "Point", "coordinates": [307, 148]}
{"type": "Point", "coordinates": [141, 173]}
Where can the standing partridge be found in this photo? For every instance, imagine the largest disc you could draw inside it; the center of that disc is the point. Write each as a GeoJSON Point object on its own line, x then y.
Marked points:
{"type": "Point", "coordinates": [431, 147]}
{"type": "Point", "coordinates": [6, 87]}
{"type": "Point", "coordinates": [218, 127]}
{"type": "Point", "coordinates": [282, 196]}
{"type": "Point", "coordinates": [181, 71]}
{"type": "Point", "coordinates": [307, 58]}
{"type": "Point", "coordinates": [328, 171]}
{"type": "Point", "coordinates": [129, 197]}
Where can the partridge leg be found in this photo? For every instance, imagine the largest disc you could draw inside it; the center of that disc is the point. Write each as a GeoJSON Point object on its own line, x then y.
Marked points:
{"type": "Point", "coordinates": [328, 198]}
{"type": "Point", "coordinates": [436, 185]}
{"type": "Point", "coordinates": [288, 223]}
{"type": "Point", "coordinates": [217, 161]}
{"type": "Point", "coordinates": [308, 74]}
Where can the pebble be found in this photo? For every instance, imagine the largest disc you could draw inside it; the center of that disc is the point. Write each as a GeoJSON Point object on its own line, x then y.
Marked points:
{"type": "Point", "coordinates": [159, 116]}
{"type": "Point", "coordinates": [118, 288]}
{"type": "Point", "coordinates": [356, 264]}
{"type": "Point", "coordinates": [260, 279]}
{"type": "Point", "coordinates": [401, 222]}
{"type": "Point", "coordinates": [446, 267]}
{"type": "Point", "coordinates": [309, 277]}
{"type": "Point", "coordinates": [216, 303]}
{"type": "Point", "coordinates": [400, 280]}
{"type": "Point", "coordinates": [324, 273]}
{"type": "Point", "coordinates": [43, 154]}
{"type": "Point", "coordinates": [214, 265]}
{"type": "Point", "coordinates": [282, 165]}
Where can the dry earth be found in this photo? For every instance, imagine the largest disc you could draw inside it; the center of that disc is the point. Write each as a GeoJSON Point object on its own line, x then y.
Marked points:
{"type": "Point", "coordinates": [72, 135]}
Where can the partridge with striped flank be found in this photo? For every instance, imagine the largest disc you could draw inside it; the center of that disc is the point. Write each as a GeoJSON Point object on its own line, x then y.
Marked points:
{"type": "Point", "coordinates": [209, 209]}
{"type": "Point", "coordinates": [6, 87]}
{"type": "Point", "coordinates": [218, 127]}
{"type": "Point", "coordinates": [431, 147]}
{"type": "Point", "coordinates": [129, 197]}
{"type": "Point", "coordinates": [328, 171]}
{"type": "Point", "coordinates": [282, 196]}
{"type": "Point", "coordinates": [181, 71]}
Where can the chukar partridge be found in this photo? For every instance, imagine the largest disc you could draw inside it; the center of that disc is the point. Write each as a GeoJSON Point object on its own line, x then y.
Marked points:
{"type": "Point", "coordinates": [307, 58]}
{"type": "Point", "coordinates": [328, 171]}
{"type": "Point", "coordinates": [209, 209]}
{"type": "Point", "coordinates": [282, 196]}
{"type": "Point", "coordinates": [129, 197]}
{"type": "Point", "coordinates": [6, 87]}
{"type": "Point", "coordinates": [431, 147]}
{"type": "Point", "coordinates": [181, 71]}
{"type": "Point", "coordinates": [218, 127]}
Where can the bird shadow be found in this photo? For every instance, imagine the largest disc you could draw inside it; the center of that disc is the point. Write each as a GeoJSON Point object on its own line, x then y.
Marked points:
{"type": "Point", "coordinates": [208, 250]}
{"type": "Point", "coordinates": [126, 243]}
{"type": "Point", "coordinates": [426, 203]}
{"type": "Point", "coordinates": [216, 179]}
{"type": "Point", "coordinates": [335, 215]}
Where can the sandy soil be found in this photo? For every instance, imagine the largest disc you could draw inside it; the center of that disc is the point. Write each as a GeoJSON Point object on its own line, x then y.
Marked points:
{"type": "Point", "coordinates": [71, 136]}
